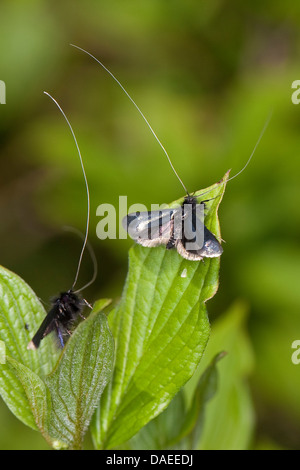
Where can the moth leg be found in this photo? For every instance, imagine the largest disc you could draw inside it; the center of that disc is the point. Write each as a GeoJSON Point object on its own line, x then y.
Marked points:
{"type": "Point", "coordinates": [88, 305]}
{"type": "Point", "coordinates": [210, 199]}
{"type": "Point", "coordinates": [60, 337]}
{"type": "Point", "coordinates": [171, 243]}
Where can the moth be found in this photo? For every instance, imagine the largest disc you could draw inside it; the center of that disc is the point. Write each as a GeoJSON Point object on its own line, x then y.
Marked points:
{"type": "Point", "coordinates": [65, 310]}
{"type": "Point", "coordinates": [174, 228]}
{"type": "Point", "coordinates": [68, 306]}
{"type": "Point", "coordinates": [181, 228]}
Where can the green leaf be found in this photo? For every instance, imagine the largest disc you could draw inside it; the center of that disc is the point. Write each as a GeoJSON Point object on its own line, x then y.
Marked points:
{"type": "Point", "coordinates": [61, 404]}
{"type": "Point", "coordinates": [229, 416]}
{"type": "Point", "coordinates": [20, 315]}
{"type": "Point", "coordinates": [176, 427]}
{"type": "Point", "coordinates": [204, 392]}
{"type": "Point", "coordinates": [37, 394]}
{"type": "Point", "coordinates": [161, 330]}
{"type": "Point", "coordinates": [101, 304]}
{"type": "Point", "coordinates": [78, 380]}
{"type": "Point", "coordinates": [162, 431]}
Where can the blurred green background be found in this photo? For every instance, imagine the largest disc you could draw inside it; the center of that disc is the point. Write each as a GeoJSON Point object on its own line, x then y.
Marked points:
{"type": "Point", "coordinates": [206, 74]}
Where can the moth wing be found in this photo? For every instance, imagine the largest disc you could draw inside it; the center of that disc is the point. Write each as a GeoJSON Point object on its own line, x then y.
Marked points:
{"type": "Point", "coordinates": [189, 255]}
{"type": "Point", "coordinates": [211, 248]}
{"type": "Point", "coordinates": [193, 227]}
{"type": "Point", "coordinates": [150, 228]}
{"type": "Point", "coordinates": [46, 327]}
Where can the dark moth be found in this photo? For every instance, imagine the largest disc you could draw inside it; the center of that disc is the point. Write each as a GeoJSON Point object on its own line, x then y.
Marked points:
{"type": "Point", "coordinates": [181, 228]}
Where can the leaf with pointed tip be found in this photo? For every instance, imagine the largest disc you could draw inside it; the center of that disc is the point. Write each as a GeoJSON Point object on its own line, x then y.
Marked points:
{"type": "Point", "coordinates": [37, 394]}
{"type": "Point", "coordinates": [161, 329]}
{"type": "Point", "coordinates": [101, 304]}
{"type": "Point", "coordinates": [20, 315]}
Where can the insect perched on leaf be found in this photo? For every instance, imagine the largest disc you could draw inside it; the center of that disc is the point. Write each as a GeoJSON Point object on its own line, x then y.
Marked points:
{"type": "Point", "coordinates": [181, 228]}
{"type": "Point", "coordinates": [68, 305]}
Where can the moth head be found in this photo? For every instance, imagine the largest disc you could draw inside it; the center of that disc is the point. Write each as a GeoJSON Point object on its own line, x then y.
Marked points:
{"type": "Point", "coordinates": [190, 200]}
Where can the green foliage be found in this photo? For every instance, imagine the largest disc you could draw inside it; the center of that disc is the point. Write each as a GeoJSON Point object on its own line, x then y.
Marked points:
{"type": "Point", "coordinates": [205, 74]}
{"type": "Point", "coordinates": [229, 419]}
{"type": "Point", "coordinates": [179, 427]}
{"type": "Point", "coordinates": [79, 379]}
{"type": "Point", "coordinates": [38, 399]}
{"type": "Point", "coordinates": [21, 314]}
{"type": "Point", "coordinates": [214, 410]}
{"type": "Point", "coordinates": [160, 329]}
{"type": "Point", "coordinates": [205, 391]}
{"type": "Point", "coordinates": [59, 404]}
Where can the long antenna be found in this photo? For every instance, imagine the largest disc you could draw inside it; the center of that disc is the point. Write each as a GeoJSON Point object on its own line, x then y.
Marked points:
{"type": "Point", "coordinates": [251, 155]}
{"type": "Point", "coordinates": [139, 110]}
{"type": "Point", "coordinates": [87, 190]}
{"type": "Point", "coordinates": [92, 255]}
{"type": "Point", "coordinates": [255, 147]}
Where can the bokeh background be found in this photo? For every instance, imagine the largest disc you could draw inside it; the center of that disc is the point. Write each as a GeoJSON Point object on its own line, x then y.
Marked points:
{"type": "Point", "coordinates": [206, 74]}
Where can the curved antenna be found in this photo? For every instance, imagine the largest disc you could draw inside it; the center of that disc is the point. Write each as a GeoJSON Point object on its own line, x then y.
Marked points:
{"type": "Point", "coordinates": [252, 153]}
{"type": "Point", "coordinates": [139, 110]}
{"type": "Point", "coordinates": [86, 185]}
{"type": "Point", "coordinates": [92, 255]}
{"type": "Point", "coordinates": [255, 147]}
